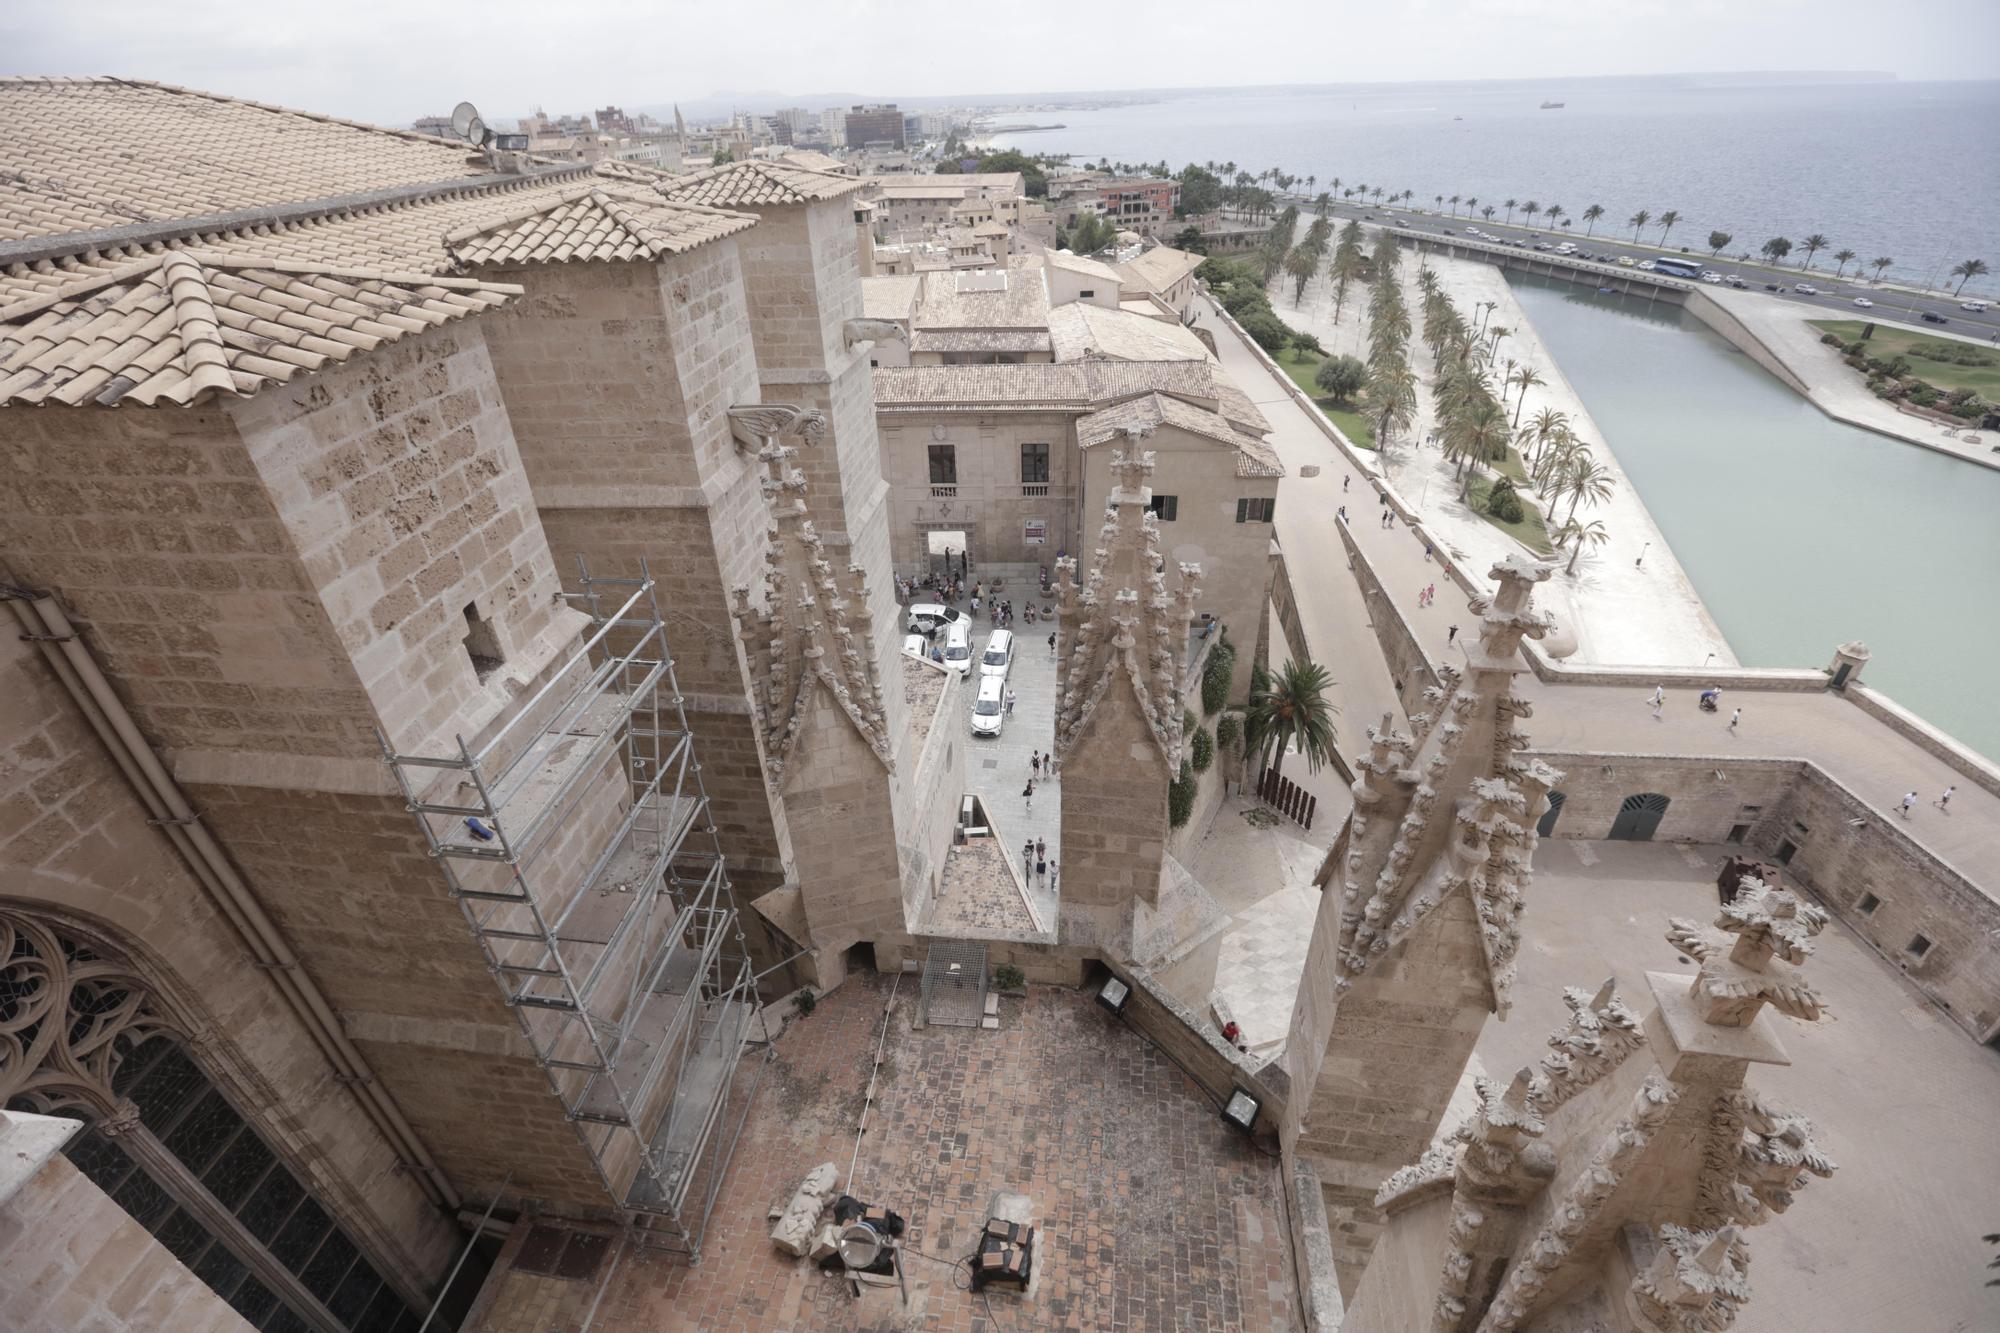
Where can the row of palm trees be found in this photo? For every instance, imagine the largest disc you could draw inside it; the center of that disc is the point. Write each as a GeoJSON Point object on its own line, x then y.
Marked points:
{"type": "Point", "coordinates": [1392, 385]}
{"type": "Point", "coordinates": [1775, 250]}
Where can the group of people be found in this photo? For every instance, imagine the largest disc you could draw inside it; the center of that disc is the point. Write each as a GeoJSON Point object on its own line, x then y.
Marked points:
{"type": "Point", "coordinates": [1943, 802]}
{"type": "Point", "coordinates": [1041, 768]}
{"type": "Point", "coordinates": [1035, 863]}
{"type": "Point", "coordinates": [1709, 701]}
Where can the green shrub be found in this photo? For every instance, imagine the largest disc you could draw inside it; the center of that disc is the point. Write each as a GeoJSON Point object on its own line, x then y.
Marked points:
{"type": "Point", "coordinates": [1503, 503]}
{"type": "Point", "coordinates": [1266, 330]}
{"type": "Point", "coordinates": [1203, 750]}
{"type": "Point", "coordinates": [1180, 796]}
{"type": "Point", "coordinates": [1855, 348]}
{"type": "Point", "coordinates": [1228, 731]}
{"type": "Point", "coordinates": [1957, 354]}
{"type": "Point", "coordinates": [1341, 377]}
{"type": "Point", "coordinates": [804, 1002]}
{"type": "Point", "coordinates": [1215, 674]}
{"type": "Point", "coordinates": [1008, 977]}
{"type": "Point", "coordinates": [1924, 396]}
{"type": "Point", "coordinates": [1830, 339]}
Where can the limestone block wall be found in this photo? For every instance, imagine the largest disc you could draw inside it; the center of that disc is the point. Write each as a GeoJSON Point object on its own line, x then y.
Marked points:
{"type": "Point", "coordinates": [398, 480]}
{"type": "Point", "coordinates": [843, 830]}
{"type": "Point", "coordinates": [1114, 821]}
{"type": "Point", "coordinates": [1405, 657]}
{"type": "Point", "coordinates": [74, 844]}
{"type": "Point", "coordinates": [76, 1260]}
{"type": "Point", "coordinates": [937, 770]}
{"type": "Point", "coordinates": [1234, 557]}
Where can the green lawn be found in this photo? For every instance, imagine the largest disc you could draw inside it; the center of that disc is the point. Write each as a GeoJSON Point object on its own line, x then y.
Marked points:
{"type": "Point", "coordinates": [1352, 424]}
{"type": "Point", "coordinates": [1531, 531]}
{"type": "Point", "coordinates": [1887, 343]}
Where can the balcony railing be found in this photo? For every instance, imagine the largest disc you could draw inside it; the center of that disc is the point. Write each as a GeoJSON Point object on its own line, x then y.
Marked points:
{"type": "Point", "coordinates": [1034, 490]}
{"type": "Point", "coordinates": [944, 491]}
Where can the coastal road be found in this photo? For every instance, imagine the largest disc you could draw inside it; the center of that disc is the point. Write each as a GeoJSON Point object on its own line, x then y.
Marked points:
{"type": "Point", "coordinates": [1834, 301]}
{"type": "Point", "coordinates": [1872, 760]}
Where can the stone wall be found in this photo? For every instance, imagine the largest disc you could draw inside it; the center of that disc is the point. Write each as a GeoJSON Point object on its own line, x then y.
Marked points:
{"type": "Point", "coordinates": [938, 774]}
{"type": "Point", "coordinates": [987, 502]}
{"type": "Point", "coordinates": [1114, 820]}
{"type": "Point", "coordinates": [76, 1260]}
{"type": "Point", "coordinates": [75, 846]}
{"type": "Point", "coordinates": [1841, 849]}
{"type": "Point", "coordinates": [1408, 664]}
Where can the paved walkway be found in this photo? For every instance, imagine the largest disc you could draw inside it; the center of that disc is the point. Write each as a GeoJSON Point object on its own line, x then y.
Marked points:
{"type": "Point", "coordinates": [1865, 755]}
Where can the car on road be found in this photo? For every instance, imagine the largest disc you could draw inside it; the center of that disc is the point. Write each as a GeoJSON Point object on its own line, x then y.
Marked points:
{"type": "Point", "coordinates": [926, 617]}
{"type": "Point", "coordinates": [1712, 279]}
{"type": "Point", "coordinates": [1772, 287]}
{"type": "Point", "coordinates": [1737, 283]}
{"type": "Point", "coordinates": [989, 710]}
{"type": "Point", "coordinates": [1974, 306]}
{"type": "Point", "coordinates": [1625, 261]}
{"type": "Point", "coordinates": [999, 654]}
{"type": "Point", "coordinates": [1933, 317]}
{"type": "Point", "coordinates": [916, 645]}
{"type": "Point", "coordinates": [1864, 303]}
{"type": "Point", "coordinates": [958, 647]}
{"type": "Point", "coordinates": [1806, 289]}
{"type": "Point", "coordinates": [1648, 265]}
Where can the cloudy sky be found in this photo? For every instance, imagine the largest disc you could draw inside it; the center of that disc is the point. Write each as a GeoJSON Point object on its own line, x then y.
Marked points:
{"type": "Point", "coordinates": [393, 60]}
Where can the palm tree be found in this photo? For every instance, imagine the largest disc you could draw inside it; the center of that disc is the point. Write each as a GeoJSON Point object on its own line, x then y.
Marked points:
{"type": "Point", "coordinates": [1392, 397]}
{"type": "Point", "coordinates": [1300, 265]}
{"type": "Point", "coordinates": [1528, 211]}
{"type": "Point", "coordinates": [1546, 425]}
{"type": "Point", "coordinates": [1879, 264]}
{"type": "Point", "coordinates": [1475, 436]}
{"type": "Point", "coordinates": [1667, 221]}
{"type": "Point", "coordinates": [1554, 213]}
{"type": "Point", "coordinates": [1487, 212]}
{"type": "Point", "coordinates": [1844, 257]}
{"type": "Point", "coordinates": [1638, 220]}
{"type": "Point", "coordinates": [1525, 379]}
{"type": "Point", "coordinates": [1440, 200]}
{"type": "Point", "coordinates": [1454, 205]}
{"type": "Point", "coordinates": [1289, 707]}
{"type": "Point", "coordinates": [1813, 245]}
{"type": "Point", "coordinates": [1591, 215]}
{"type": "Point", "coordinates": [1470, 205]}
{"type": "Point", "coordinates": [1967, 271]}
{"type": "Point", "coordinates": [1511, 206]}
{"type": "Point", "coordinates": [1592, 533]}
{"type": "Point", "coordinates": [1587, 480]}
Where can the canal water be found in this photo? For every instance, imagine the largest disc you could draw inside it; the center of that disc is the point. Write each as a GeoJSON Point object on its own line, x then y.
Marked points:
{"type": "Point", "coordinates": [1798, 531]}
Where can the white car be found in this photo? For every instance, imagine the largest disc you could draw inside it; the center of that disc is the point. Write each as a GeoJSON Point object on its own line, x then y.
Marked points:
{"type": "Point", "coordinates": [999, 654]}
{"type": "Point", "coordinates": [1805, 288]}
{"type": "Point", "coordinates": [916, 645]}
{"type": "Point", "coordinates": [925, 617]}
{"type": "Point", "coordinates": [1864, 303]}
{"type": "Point", "coordinates": [1647, 264]}
{"type": "Point", "coordinates": [1712, 279]}
{"type": "Point", "coordinates": [958, 648]}
{"type": "Point", "coordinates": [989, 710]}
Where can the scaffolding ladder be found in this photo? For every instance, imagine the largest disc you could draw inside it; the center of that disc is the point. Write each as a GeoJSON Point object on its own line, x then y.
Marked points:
{"type": "Point", "coordinates": [577, 838]}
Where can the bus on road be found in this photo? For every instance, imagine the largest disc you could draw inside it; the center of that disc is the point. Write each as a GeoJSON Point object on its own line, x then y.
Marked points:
{"type": "Point", "coordinates": [1677, 268]}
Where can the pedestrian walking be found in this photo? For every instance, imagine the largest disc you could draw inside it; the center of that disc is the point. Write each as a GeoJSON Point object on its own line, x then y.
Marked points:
{"type": "Point", "coordinates": [1028, 794]}
{"type": "Point", "coordinates": [1035, 764]}
{"type": "Point", "coordinates": [1041, 869]}
{"type": "Point", "coordinates": [1908, 800]}
{"type": "Point", "coordinates": [1656, 710]}
{"type": "Point", "coordinates": [1027, 859]}
{"type": "Point", "coordinates": [1041, 849]}
{"type": "Point", "coordinates": [1427, 550]}
{"type": "Point", "coordinates": [1944, 802]}
{"type": "Point", "coordinates": [1450, 638]}
{"type": "Point", "coordinates": [1734, 718]}
{"type": "Point", "coordinates": [1343, 483]}
{"type": "Point", "coordinates": [1342, 513]}
{"type": "Point", "coordinates": [1055, 874]}
{"type": "Point", "coordinates": [1659, 695]}
{"type": "Point", "coordinates": [1052, 646]}
{"type": "Point", "coordinates": [1010, 703]}
{"type": "Point", "coordinates": [1431, 593]}
{"type": "Point", "coordinates": [975, 603]}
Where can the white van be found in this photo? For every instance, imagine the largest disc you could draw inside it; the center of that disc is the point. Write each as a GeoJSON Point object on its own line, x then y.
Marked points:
{"type": "Point", "coordinates": [989, 710]}
{"type": "Point", "coordinates": [958, 647]}
{"type": "Point", "coordinates": [999, 654]}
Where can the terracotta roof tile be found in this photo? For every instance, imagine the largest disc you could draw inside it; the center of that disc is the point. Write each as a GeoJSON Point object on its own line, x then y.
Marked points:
{"type": "Point", "coordinates": [193, 324]}
{"type": "Point", "coordinates": [1158, 268]}
{"type": "Point", "coordinates": [1082, 330]}
{"type": "Point", "coordinates": [980, 340]}
{"type": "Point", "coordinates": [594, 224]}
{"type": "Point", "coordinates": [1254, 458]}
{"type": "Point", "coordinates": [749, 184]}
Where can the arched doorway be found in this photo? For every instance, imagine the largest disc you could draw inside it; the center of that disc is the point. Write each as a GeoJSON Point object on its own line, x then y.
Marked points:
{"type": "Point", "coordinates": [1548, 823]}
{"type": "Point", "coordinates": [1638, 817]}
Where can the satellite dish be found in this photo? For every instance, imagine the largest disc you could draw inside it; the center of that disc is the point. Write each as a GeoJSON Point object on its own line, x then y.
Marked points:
{"type": "Point", "coordinates": [477, 132]}
{"type": "Point", "coordinates": [860, 1245]}
{"type": "Point", "coordinates": [463, 117]}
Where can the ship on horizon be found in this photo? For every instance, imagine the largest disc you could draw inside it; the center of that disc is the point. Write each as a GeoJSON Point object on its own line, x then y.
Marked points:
{"type": "Point", "coordinates": [1552, 106]}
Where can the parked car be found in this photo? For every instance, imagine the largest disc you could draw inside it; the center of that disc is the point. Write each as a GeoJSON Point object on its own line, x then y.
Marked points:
{"type": "Point", "coordinates": [916, 646]}
{"type": "Point", "coordinates": [925, 617]}
{"type": "Point", "coordinates": [958, 647]}
{"type": "Point", "coordinates": [1806, 289]}
{"type": "Point", "coordinates": [999, 654]}
{"type": "Point", "coordinates": [1933, 317]}
{"type": "Point", "coordinates": [1864, 303]}
{"type": "Point", "coordinates": [989, 710]}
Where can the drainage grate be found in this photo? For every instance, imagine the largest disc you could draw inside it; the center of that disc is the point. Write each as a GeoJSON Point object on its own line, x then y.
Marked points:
{"type": "Point", "coordinates": [954, 989]}
{"type": "Point", "coordinates": [989, 763]}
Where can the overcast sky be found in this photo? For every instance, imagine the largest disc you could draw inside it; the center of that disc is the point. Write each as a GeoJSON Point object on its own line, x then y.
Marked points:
{"type": "Point", "coordinates": [392, 60]}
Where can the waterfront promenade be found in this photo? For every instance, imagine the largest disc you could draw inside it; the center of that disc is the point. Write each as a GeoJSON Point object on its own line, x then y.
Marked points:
{"type": "Point", "coordinates": [1873, 760]}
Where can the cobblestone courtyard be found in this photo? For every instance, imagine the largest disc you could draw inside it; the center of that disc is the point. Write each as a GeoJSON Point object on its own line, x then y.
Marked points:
{"type": "Point", "coordinates": [1154, 1213]}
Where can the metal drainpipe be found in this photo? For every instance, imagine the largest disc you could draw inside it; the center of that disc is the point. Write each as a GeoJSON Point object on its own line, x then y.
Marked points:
{"type": "Point", "coordinates": [44, 623]}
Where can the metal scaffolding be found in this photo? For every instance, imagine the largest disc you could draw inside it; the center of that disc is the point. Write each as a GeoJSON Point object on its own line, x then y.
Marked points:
{"type": "Point", "coordinates": [577, 838]}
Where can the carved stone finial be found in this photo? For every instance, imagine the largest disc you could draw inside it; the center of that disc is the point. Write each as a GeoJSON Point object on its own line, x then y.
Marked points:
{"type": "Point", "coordinates": [1773, 930]}
{"type": "Point", "coordinates": [1697, 1281]}
{"type": "Point", "coordinates": [1602, 1031]}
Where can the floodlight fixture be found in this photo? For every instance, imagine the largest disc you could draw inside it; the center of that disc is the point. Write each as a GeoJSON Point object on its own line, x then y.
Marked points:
{"type": "Point", "coordinates": [1113, 994]}
{"type": "Point", "coordinates": [1241, 1110]}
